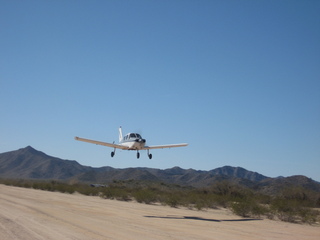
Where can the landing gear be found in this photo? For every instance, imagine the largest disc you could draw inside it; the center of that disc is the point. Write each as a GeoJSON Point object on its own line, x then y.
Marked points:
{"type": "Point", "coordinates": [149, 155]}
{"type": "Point", "coordinates": [113, 153]}
{"type": "Point", "coordinates": [138, 155]}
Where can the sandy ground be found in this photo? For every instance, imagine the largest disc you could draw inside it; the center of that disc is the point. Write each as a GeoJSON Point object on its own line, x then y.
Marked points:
{"type": "Point", "coordinates": [33, 214]}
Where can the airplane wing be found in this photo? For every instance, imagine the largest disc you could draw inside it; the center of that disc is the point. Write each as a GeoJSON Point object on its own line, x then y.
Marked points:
{"type": "Point", "coordinates": [101, 143]}
{"type": "Point", "coordinates": [166, 146]}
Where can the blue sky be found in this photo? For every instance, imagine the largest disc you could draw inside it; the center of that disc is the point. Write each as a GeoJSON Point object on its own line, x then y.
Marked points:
{"type": "Point", "coordinates": [237, 80]}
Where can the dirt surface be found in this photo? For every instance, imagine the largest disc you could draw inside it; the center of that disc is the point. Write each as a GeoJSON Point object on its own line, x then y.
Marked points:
{"type": "Point", "coordinates": [30, 214]}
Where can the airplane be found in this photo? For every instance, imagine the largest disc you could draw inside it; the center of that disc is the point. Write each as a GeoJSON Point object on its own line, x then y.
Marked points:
{"type": "Point", "coordinates": [131, 141]}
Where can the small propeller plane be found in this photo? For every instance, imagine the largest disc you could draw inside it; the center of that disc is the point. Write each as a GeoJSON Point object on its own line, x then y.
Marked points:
{"type": "Point", "coordinates": [131, 141]}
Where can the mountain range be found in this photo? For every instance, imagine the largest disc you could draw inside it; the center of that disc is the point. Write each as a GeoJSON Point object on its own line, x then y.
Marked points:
{"type": "Point", "coordinates": [29, 163]}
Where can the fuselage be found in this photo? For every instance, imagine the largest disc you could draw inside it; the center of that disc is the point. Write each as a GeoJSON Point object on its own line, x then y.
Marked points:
{"type": "Point", "coordinates": [133, 141]}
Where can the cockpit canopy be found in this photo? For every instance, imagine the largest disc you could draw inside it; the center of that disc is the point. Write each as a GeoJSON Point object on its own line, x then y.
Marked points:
{"type": "Point", "coordinates": [132, 136]}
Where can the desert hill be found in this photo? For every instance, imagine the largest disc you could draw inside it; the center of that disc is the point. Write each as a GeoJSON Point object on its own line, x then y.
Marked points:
{"type": "Point", "coordinates": [29, 163]}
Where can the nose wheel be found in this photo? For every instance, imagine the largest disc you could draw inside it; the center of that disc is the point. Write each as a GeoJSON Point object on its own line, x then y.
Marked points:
{"type": "Point", "coordinates": [138, 155]}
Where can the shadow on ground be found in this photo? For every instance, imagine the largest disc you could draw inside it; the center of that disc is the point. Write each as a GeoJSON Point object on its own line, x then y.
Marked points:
{"type": "Point", "coordinates": [204, 219]}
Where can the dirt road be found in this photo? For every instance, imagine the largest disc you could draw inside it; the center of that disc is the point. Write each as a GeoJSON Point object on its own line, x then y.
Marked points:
{"type": "Point", "coordinates": [33, 214]}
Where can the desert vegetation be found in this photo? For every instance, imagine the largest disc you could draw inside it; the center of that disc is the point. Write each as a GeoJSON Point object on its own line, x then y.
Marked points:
{"type": "Point", "coordinates": [293, 204]}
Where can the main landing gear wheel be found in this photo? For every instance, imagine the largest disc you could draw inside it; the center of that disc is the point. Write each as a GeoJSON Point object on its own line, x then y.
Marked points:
{"type": "Point", "coordinates": [138, 155]}
{"type": "Point", "coordinates": [112, 154]}
{"type": "Point", "coordinates": [150, 156]}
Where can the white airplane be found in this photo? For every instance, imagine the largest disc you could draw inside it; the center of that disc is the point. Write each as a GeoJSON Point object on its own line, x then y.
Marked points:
{"type": "Point", "coordinates": [131, 141]}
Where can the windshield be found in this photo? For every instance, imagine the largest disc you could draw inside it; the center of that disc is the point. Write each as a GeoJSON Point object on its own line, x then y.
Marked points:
{"type": "Point", "coordinates": [132, 135]}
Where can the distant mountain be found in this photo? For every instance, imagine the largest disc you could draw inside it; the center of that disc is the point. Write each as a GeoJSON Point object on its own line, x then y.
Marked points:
{"type": "Point", "coordinates": [196, 178]}
{"type": "Point", "coordinates": [116, 174]}
{"type": "Point", "coordinates": [275, 185]}
{"type": "Point", "coordinates": [238, 172]}
{"type": "Point", "coordinates": [28, 163]}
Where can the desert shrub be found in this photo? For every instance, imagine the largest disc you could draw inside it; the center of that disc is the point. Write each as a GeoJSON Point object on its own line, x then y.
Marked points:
{"type": "Point", "coordinates": [203, 200]}
{"type": "Point", "coordinates": [27, 185]}
{"type": "Point", "coordinates": [286, 210]}
{"type": "Point", "coordinates": [87, 190]}
{"type": "Point", "coordinates": [308, 215]}
{"type": "Point", "coordinates": [43, 186]}
{"type": "Point", "coordinates": [227, 188]}
{"type": "Point", "coordinates": [65, 188]}
{"type": "Point", "coordinates": [172, 200]}
{"type": "Point", "coordinates": [248, 208]}
{"type": "Point", "coordinates": [222, 188]}
{"type": "Point", "coordinates": [222, 201]}
{"type": "Point", "coordinates": [107, 193]}
{"type": "Point", "coordinates": [122, 196]}
{"type": "Point", "coordinates": [305, 197]}
{"type": "Point", "coordinates": [194, 199]}
{"type": "Point", "coordinates": [53, 186]}
{"type": "Point", "coordinates": [263, 198]}
{"type": "Point", "coordinates": [241, 208]}
{"type": "Point", "coordinates": [228, 192]}
{"type": "Point", "coordinates": [117, 193]}
{"type": "Point", "coordinates": [200, 204]}
{"type": "Point", "coordinates": [283, 210]}
{"type": "Point", "coordinates": [293, 211]}
{"type": "Point", "coordinates": [145, 196]}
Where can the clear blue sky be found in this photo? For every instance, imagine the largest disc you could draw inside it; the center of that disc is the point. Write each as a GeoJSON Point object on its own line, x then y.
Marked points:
{"type": "Point", "coordinates": [237, 80]}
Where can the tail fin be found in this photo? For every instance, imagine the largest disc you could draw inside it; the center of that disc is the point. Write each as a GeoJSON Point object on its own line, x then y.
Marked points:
{"type": "Point", "coordinates": [120, 134]}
